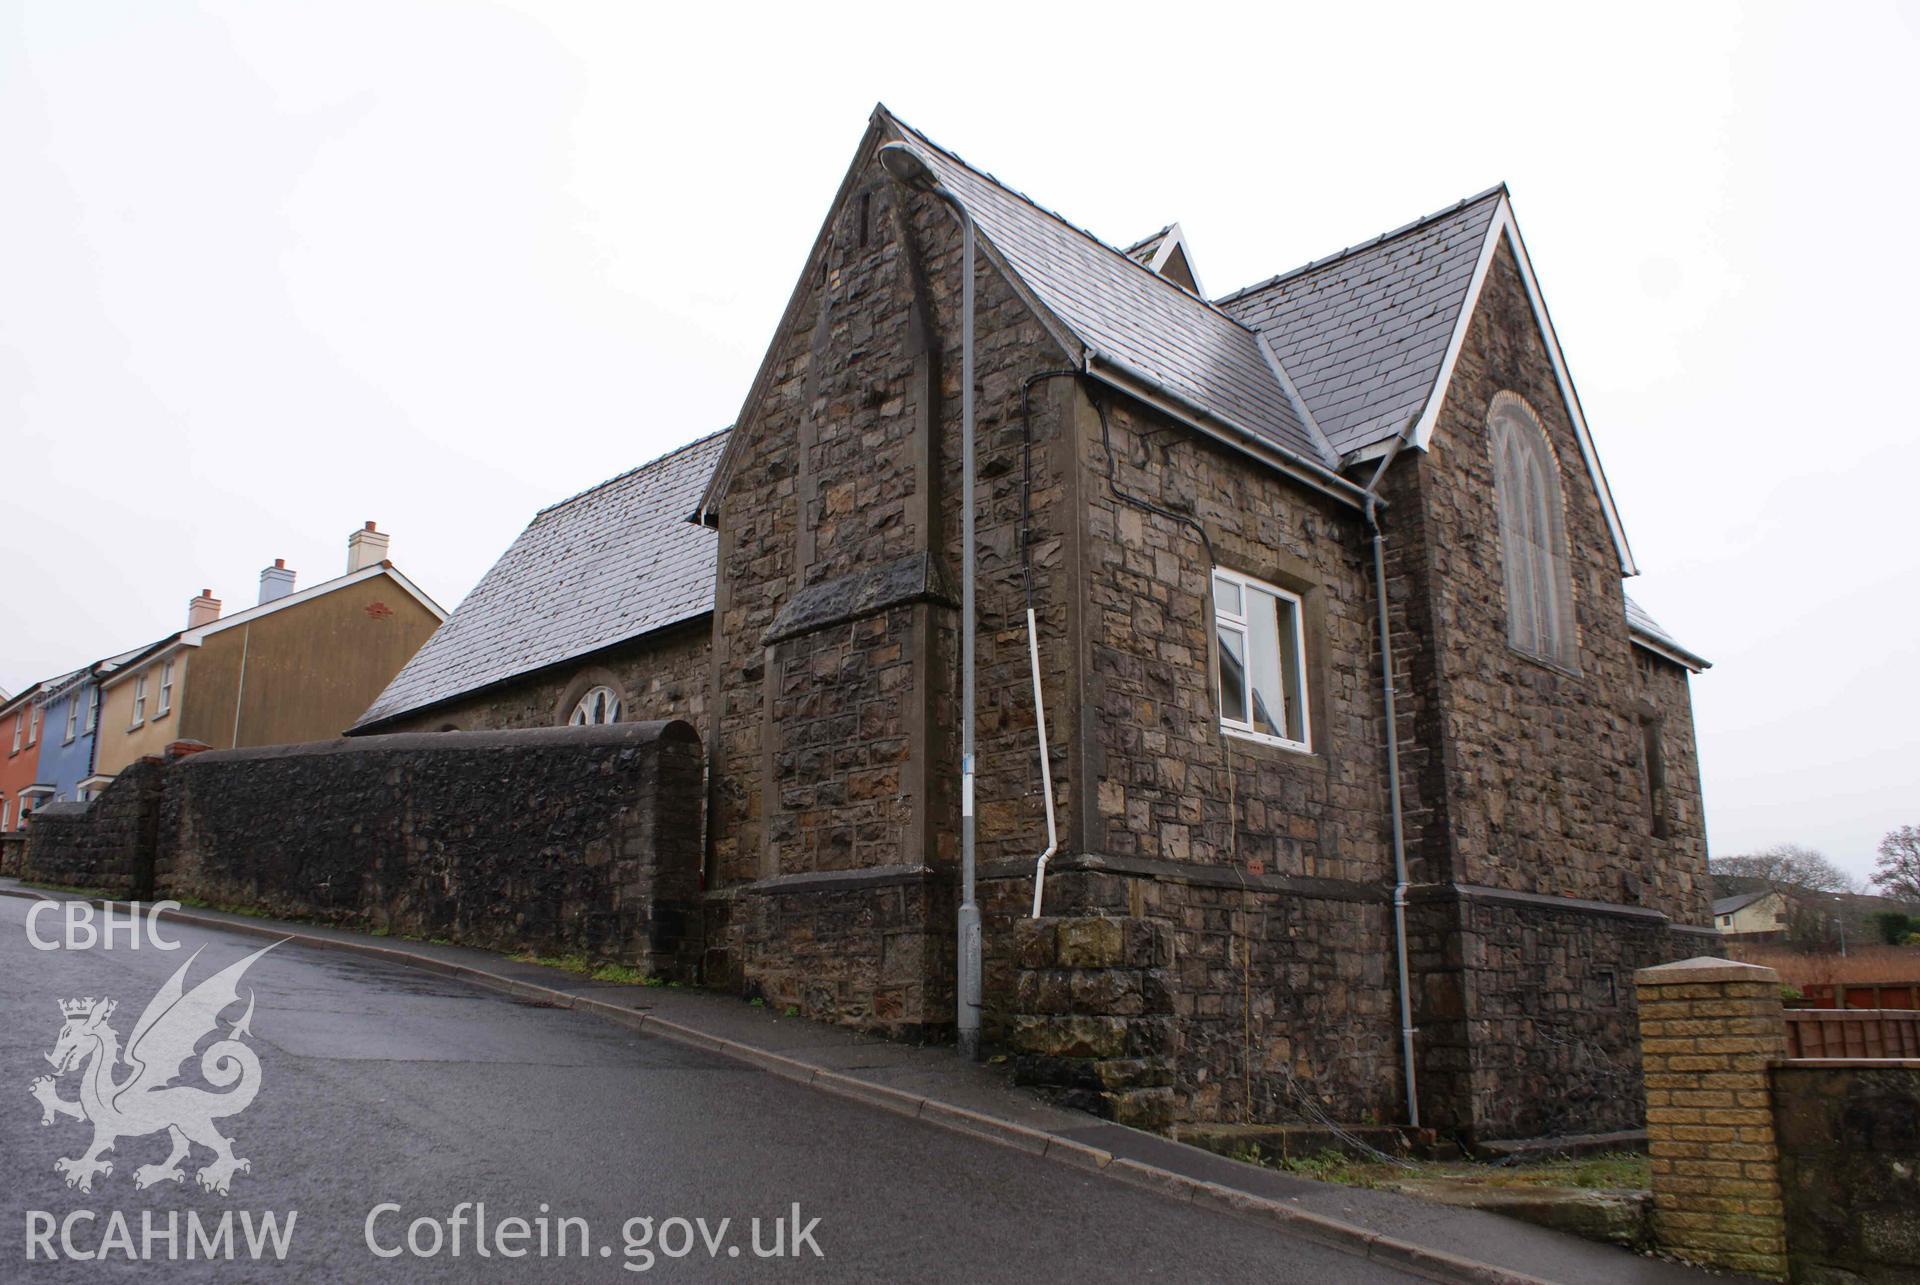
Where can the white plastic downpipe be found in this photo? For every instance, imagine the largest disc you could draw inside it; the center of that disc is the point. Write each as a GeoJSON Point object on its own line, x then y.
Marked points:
{"type": "Point", "coordinates": [1046, 766]}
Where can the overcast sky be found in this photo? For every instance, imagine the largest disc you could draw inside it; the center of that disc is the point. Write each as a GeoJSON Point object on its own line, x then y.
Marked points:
{"type": "Point", "coordinates": [268, 271]}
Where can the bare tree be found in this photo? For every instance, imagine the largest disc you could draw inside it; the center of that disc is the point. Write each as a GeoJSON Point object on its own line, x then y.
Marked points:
{"type": "Point", "coordinates": [1788, 867]}
{"type": "Point", "coordinates": [1897, 872]}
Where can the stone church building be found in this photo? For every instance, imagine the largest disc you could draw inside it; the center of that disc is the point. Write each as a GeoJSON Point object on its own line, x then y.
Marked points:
{"type": "Point", "coordinates": [1210, 505]}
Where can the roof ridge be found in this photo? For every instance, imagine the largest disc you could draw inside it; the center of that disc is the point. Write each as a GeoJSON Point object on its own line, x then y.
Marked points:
{"type": "Point", "coordinates": [1404, 229]}
{"type": "Point", "coordinates": [1069, 224]}
{"type": "Point", "coordinates": [681, 449]}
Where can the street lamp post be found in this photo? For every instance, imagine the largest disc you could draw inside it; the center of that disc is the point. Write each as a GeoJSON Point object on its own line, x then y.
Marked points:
{"type": "Point", "coordinates": [910, 168]}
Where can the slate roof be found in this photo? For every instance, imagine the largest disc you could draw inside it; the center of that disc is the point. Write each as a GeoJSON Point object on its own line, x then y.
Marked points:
{"type": "Point", "coordinates": [608, 565]}
{"type": "Point", "coordinates": [1645, 628]}
{"type": "Point", "coordinates": [1363, 333]}
{"type": "Point", "coordinates": [1129, 314]}
{"type": "Point", "coordinates": [1731, 905]}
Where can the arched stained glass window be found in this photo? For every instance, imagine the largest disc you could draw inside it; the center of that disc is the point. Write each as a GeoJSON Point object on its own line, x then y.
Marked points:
{"type": "Point", "coordinates": [1533, 534]}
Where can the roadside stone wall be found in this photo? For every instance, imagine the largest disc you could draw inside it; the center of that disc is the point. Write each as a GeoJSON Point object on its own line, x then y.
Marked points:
{"type": "Point", "coordinates": [556, 840]}
{"type": "Point", "coordinates": [109, 843]}
{"type": "Point", "coordinates": [13, 852]}
{"type": "Point", "coordinates": [1849, 1137]}
{"type": "Point", "coordinates": [664, 675]}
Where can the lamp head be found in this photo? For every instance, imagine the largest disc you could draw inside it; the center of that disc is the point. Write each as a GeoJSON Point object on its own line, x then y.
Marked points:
{"type": "Point", "coordinates": [908, 166]}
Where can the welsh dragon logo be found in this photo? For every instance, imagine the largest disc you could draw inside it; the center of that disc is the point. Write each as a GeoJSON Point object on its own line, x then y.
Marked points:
{"type": "Point", "coordinates": [146, 1099]}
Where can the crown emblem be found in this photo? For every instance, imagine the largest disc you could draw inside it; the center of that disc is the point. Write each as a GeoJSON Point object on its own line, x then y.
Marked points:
{"type": "Point", "coordinates": [76, 1007]}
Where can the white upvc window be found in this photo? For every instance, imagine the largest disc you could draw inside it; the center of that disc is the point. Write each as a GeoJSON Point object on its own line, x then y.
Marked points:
{"type": "Point", "coordinates": [599, 705]}
{"type": "Point", "coordinates": [1263, 661]}
{"type": "Point", "coordinates": [19, 727]}
{"type": "Point", "coordinates": [73, 714]}
{"type": "Point", "coordinates": [139, 698]}
{"type": "Point", "coordinates": [93, 708]}
{"type": "Point", "coordinates": [6, 812]}
{"type": "Point", "coordinates": [166, 688]}
{"type": "Point", "coordinates": [33, 726]}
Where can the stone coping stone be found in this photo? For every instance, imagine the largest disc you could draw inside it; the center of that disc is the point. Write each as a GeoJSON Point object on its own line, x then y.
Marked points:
{"type": "Point", "coordinates": [1701, 970]}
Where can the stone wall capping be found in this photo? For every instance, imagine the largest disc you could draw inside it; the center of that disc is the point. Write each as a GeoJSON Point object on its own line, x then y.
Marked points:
{"type": "Point", "coordinates": [1704, 969]}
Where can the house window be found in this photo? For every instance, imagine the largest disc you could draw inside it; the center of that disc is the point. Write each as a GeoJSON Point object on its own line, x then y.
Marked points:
{"type": "Point", "coordinates": [6, 812]}
{"type": "Point", "coordinates": [1263, 660]}
{"type": "Point", "coordinates": [93, 709]}
{"type": "Point", "coordinates": [33, 727]}
{"type": "Point", "coordinates": [599, 705]}
{"type": "Point", "coordinates": [73, 713]}
{"type": "Point", "coordinates": [166, 688]}
{"type": "Point", "coordinates": [19, 724]}
{"type": "Point", "coordinates": [139, 698]}
{"type": "Point", "coordinates": [1533, 535]}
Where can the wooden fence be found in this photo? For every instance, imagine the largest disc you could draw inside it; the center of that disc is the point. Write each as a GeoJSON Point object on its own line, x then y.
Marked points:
{"type": "Point", "coordinates": [1857, 995]}
{"type": "Point", "coordinates": [1852, 1033]}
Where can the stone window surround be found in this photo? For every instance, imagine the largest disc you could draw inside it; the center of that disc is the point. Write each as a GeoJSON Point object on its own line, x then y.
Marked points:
{"type": "Point", "coordinates": [583, 683]}
{"type": "Point", "coordinates": [1565, 659]}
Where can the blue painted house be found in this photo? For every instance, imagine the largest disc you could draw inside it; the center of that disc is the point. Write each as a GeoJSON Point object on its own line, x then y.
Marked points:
{"type": "Point", "coordinates": [69, 723]}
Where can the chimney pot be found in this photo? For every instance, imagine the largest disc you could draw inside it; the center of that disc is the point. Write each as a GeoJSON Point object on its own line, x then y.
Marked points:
{"type": "Point", "coordinates": [276, 581]}
{"type": "Point", "coordinates": [366, 547]}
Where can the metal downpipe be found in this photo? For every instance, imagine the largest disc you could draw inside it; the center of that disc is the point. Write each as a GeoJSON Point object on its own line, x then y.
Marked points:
{"type": "Point", "coordinates": [1393, 780]}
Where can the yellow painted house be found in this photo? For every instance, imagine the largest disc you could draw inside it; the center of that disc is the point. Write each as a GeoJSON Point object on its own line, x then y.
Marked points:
{"type": "Point", "coordinates": [298, 666]}
{"type": "Point", "coordinates": [1753, 914]}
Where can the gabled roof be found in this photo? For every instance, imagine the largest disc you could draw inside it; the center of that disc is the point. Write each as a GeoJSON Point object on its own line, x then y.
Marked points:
{"type": "Point", "coordinates": [1733, 905]}
{"type": "Point", "coordinates": [1121, 322]}
{"type": "Point", "coordinates": [125, 664]}
{"type": "Point", "coordinates": [1127, 314]}
{"type": "Point", "coordinates": [1364, 332]}
{"type": "Point", "coordinates": [1167, 253]}
{"type": "Point", "coordinates": [1380, 325]}
{"type": "Point", "coordinates": [1646, 632]}
{"type": "Point", "coordinates": [603, 567]}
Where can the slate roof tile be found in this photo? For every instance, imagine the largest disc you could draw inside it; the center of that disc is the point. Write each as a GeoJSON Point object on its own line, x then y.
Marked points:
{"type": "Point", "coordinates": [1129, 313]}
{"type": "Point", "coordinates": [1387, 307]}
{"type": "Point", "coordinates": [607, 565]}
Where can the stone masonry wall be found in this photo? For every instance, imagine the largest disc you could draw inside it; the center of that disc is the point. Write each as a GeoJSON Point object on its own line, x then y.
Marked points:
{"type": "Point", "coordinates": [108, 843]}
{"type": "Point", "coordinates": [1545, 791]}
{"type": "Point", "coordinates": [836, 811]}
{"type": "Point", "coordinates": [1849, 1137]}
{"type": "Point", "coordinates": [1095, 1027]}
{"type": "Point", "coordinates": [558, 840]}
{"type": "Point", "coordinates": [663, 675]}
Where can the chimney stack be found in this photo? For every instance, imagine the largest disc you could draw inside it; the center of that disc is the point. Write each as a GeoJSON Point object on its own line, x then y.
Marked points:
{"type": "Point", "coordinates": [366, 547]}
{"type": "Point", "coordinates": [203, 610]}
{"type": "Point", "coordinates": [276, 581]}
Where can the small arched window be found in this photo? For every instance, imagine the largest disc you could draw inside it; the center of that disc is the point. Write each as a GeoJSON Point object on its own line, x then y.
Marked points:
{"type": "Point", "coordinates": [1533, 534]}
{"type": "Point", "coordinates": [599, 705]}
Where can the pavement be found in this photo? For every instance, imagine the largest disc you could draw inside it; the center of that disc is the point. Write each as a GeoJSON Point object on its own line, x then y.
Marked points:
{"type": "Point", "coordinates": [428, 1075]}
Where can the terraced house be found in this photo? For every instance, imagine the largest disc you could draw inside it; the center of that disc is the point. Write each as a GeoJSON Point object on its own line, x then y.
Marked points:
{"type": "Point", "coordinates": [1373, 787]}
{"type": "Point", "coordinates": [298, 665]}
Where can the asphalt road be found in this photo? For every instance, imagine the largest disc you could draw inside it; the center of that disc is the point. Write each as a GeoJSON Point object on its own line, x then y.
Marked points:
{"type": "Point", "coordinates": [380, 1086]}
